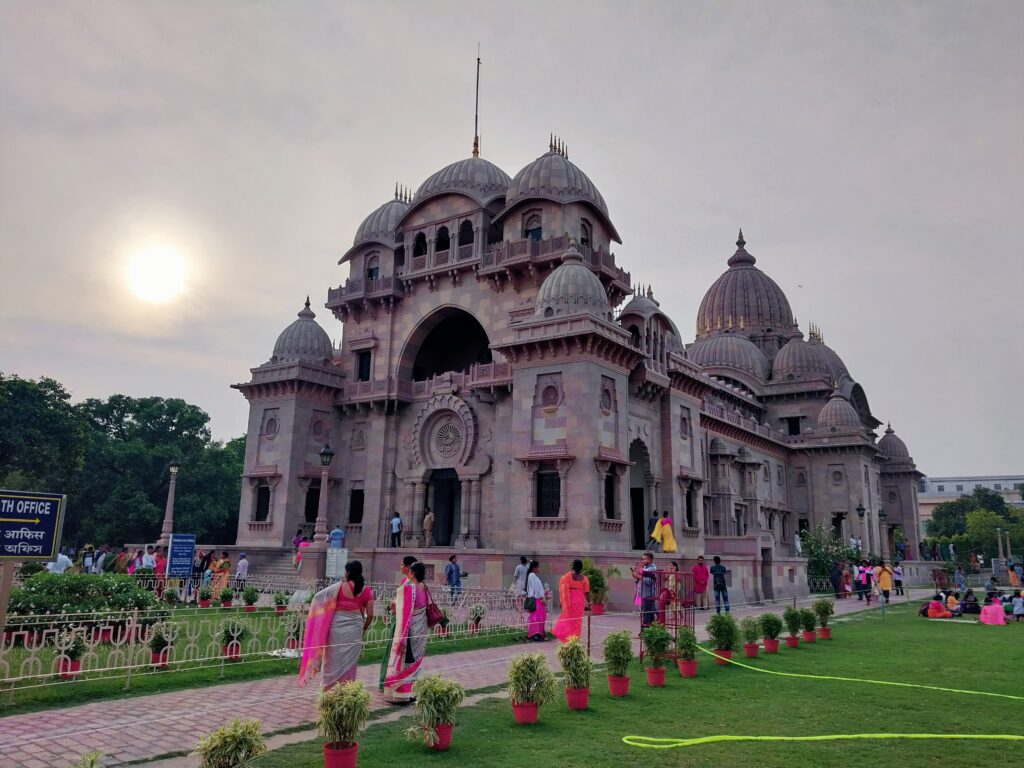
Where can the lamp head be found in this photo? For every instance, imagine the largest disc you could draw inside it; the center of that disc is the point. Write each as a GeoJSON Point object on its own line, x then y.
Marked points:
{"type": "Point", "coordinates": [326, 455]}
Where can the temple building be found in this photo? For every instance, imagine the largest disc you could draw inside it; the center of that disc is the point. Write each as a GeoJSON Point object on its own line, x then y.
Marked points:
{"type": "Point", "coordinates": [500, 368]}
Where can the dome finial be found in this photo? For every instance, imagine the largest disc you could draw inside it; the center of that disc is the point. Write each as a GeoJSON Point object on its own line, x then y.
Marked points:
{"type": "Point", "coordinates": [741, 258]}
{"type": "Point", "coordinates": [740, 242]}
{"type": "Point", "coordinates": [306, 311]}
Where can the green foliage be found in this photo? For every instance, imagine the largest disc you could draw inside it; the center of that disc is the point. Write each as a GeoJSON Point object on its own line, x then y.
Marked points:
{"type": "Point", "coordinates": [234, 630]}
{"type": "Point", "coordinates": [79, 593]}
{"type": "Point", "coordinates": [163, 634]}
{"type": "Point", "coordinates": [226, 595]}
{"type": "Point", "coordinates": [596, 578]}
{"type": "Point", "coordinates": [530, 679]}
{"type": "Point", "coordinates": [231, 746]}
{"type": "Point", "coordinates": [822, 551]}
{"type": "Point", "coordinates": [280, 598]}
{"type": "Point", "coordinates": [31, 568]}
{"type": "Point", "coordinates": [950, 517]}
{"type": "Point", "coordinates": [342, 712]}
{"type": "Point", "coordinates": [657, 641]}
{"type": "Point", "coordinates": [808, 621]}
{"type": "Point", "coordinates": [477, 611]}
{"type": "Point", "coordinates": [686, 643]}
{"type": "Point", "coordinates": [771, 626]}
{"type": "Point", "coordinates": [205, 592]}
{"type": "Point", "coordinates": [750, 628]}
{"type": "Point", "coordinates": [576, 665]}
{"type": "Point", "coordinates": [437, 703]}
{"type": "Point", "coordinates": [250, 595]}
{"type": "Point", "coordinates": [791, 618]}
{"type": "Point", "coordinates": [618, 653]}
{"type": "Point", "coordinates": [70, 642]}
{"type": "Point", "coordinates": [87, 760]}
{"type": "Point", "coordinates": [723, 631]}
{"type": "Point", "coordinates": [824, 610]}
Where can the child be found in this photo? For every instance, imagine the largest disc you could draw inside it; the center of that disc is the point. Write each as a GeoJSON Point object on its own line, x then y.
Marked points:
{"type": "Point", "coordinates": [1018, 606]}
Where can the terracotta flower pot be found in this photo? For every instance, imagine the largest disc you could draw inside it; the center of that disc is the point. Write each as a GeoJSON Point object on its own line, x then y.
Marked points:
{"type": "Point", "coordinates": [792, 641]}
{"type": "Point", "coordinates": [577, 698]}
{"type": "Point", "coordinates": [525, 714]}
{"type": "Point", "coordinates": [204, 603]}
{"type": "Point", "coordinates": [104, 634]}
{"type": "Point", "coordinates": [688, 667]}
{"type": "Point", "coordinates": [597, 609]}
{"type": "Point", "coordinates": [339, 756]}
{"type": "Point", "coordinates": [825, 633]}
{"type": "Point", "coordinates": [722, 657]}
{"type": "Point", "coordinates": [225, 603]}
{"type": "Point", "coordinates": [159, 658]}
{"type": "Point", "coordinates": [618, 686]}
{"type": "Point", "coordinates": [751, 649]}
{"type": "Point", "coordinates": [809, 637]}
{"type": "Point", "coordinates": [69, 669]}
{"type": "Point", "coordinates": [280, 608]}
{"type": "Point", "coordinates": [771, 645]}
{"type": "Point", "coordinates": [232, 651]}
{"type": "Point", "coordinates": [656, 677]}
{"type": "Point", "coordinates": [250, 608]}
{"type": "Point", "coordinates": [474, 628]}
{"type": "Point", "coordinates": [444, 737]}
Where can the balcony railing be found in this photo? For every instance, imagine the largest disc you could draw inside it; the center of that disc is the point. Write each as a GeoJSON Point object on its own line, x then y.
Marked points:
{"type": "Point", "coordinates": [358, 287]}
{"type": "Point", "coordinates": [480, 375]}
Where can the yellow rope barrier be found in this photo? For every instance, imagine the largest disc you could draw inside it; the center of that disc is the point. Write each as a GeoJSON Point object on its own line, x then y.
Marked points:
{"type": "Point", "coordinates": [647, 742]}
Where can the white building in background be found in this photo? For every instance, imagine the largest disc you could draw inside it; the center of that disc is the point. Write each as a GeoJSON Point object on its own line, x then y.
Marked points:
{"type": "Point", "coordinates": [933, 491]}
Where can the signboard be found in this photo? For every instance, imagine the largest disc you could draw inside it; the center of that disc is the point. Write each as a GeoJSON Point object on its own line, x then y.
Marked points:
{"type": "Point", "coordinates": [181, 551]}
{"type": "Point", "coordinates": [336, 560]}
{"type": "Point", "coordinates": [30, 525]}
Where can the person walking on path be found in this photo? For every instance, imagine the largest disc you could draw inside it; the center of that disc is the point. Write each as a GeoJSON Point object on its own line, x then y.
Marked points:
{"type": "Point", "coordinates": [396, 530]}
{"type": "Point", "coordinates": [408, 643]}
{"type": "Point", "coordinates": [836, 577]}
{"type": "Point", "coordinates": [646, 575]}
{"type": "Point", "coordinates": [338, 619]}
{"type": "Point", "coordinates": [519, 577]}
{"type": "Point", "coordinates": [574, 596]}
{"type": "Point", "coordinates": [428, 528]}
{"type": "Point", "coordinates": [241, 571]}
{"type": "Point", "coordinates": [897, 576]}
{"type": "Point", "coordinates": [665, 535]}
{"type": "Point", "coordinates": [883, 578]}
{"type": "Point", "coordinates": [960, 580]}
{"type": "Point", "coordinates": [721, 587]}
{"type": "Point", "coordinates": [652, 532]}
{"type": "Point", "coordinates": [536, 628]}
{"type": "Point", "coordinates": [701, 575]}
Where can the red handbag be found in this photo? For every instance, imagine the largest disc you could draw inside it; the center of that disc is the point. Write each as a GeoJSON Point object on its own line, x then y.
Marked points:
{"type": "Point", "coordinates": [435, 615]}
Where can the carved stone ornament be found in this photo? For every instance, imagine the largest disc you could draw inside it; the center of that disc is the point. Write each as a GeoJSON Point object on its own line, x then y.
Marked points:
{"type": "Point", "coordinates": [443, 434]}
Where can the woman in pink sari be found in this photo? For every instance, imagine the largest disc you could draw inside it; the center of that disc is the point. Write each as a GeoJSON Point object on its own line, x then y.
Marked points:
{"type": "Point", "coordinates": [536, 628]}
{"type": "Point", "coordinates": [574, 594]}
{"type": "Point", "coordinates": [408, 644]}
{"type": "Point", "coordinates": [338, 620]}
{"type": "Point", "coordinates": [993, 613]}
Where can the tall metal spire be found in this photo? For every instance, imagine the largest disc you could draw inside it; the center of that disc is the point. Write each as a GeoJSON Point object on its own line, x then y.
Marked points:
{"type": "Point", "coordinates": [476, 110]}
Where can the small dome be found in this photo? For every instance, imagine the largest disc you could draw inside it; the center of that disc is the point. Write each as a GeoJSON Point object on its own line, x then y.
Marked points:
{"type": "Point", "coordinates": [891, 446]}
{"type": "Point", "coordinates": [730, 351]}
{"type": "Point", "coordinates": [718, 447]}
{"type": "Point", "coordinates": [801, 360]}
{"type": "Point", "coordinates": [744, 298]}
{"type": "Point", "coordinates": [838, 366]}
{"type": "Point", "coordinates": [572, 289]}
{"type": "Point", "coordinates": [838, 414]}
{"type": "Point", "coordinates": [304, 341]}
{"type": "Point", "coordinates": [380, 225]}
{"type": "Point", "coordinates": [474, 176]}
{"type": "Point", "coordinates": [553, 177]}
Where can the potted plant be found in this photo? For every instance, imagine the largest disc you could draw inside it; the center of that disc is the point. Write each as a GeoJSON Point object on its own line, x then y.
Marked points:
{"type": "Point", "coordinates": [70, 646]}
{"type": "Point", "coordinates": [771, 628]}
{"type": "Point", "coordinates": [808, 622]}
{"type": "Point", "coordinates": [232, 745]}
{"type": "Point", "coordinates": [233, 632]}
{"type": "Point", "coordinates": [249, 596]}
{"type": "Point", "coordinates": [163, 635]}
{"type": "Point", "coordinates": [823, 610]}
{"type": "Point", "coordinates": [576, 668]}
{"type": "Point", "coordinates": [280, 602]}
{"type": "Point", "coordinates": [205, 596]}
{"type": "Point", "coordinates": [598, 587]}
{"type": "Point", "coordinates": [226, 597]}
{"type": "Point", "coordinates": [87, 760]}
{"type": "Point", "coordinates": [293, 630]}
{"type": "Point", "coordinates": [750, 628]}
{"type": "Point", "coordinates": [618, 652]}
{"type": "Point", "coordinates": [437, 702]}
{"type": "Point", "coordinates": [657, 641]}
{"type": "Point", "coordinates": [477, 611]}
{"type": "Point", "coordinates": [342, 711]}
{"type": "Point", "coordinates": [724, 635]}
{"type": "Point", "coordinates": [530, 684]}
{"type": "Point", "coordinates": [791, 618]}
{"type": "Point", "coordinates": [686, 648]}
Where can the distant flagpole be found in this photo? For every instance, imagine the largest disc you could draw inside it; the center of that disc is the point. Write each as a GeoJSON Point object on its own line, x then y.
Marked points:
{"type": "Point", "coordinates": [476, 108]}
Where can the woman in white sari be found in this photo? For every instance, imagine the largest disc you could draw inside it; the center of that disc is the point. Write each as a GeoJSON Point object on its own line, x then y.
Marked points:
{"type": "Point", "coordinates": [408, 643]}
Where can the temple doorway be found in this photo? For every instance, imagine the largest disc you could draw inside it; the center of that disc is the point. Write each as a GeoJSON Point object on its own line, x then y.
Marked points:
{"type": "Point", "coordinates": [445, 499]}
{"type": "Point", "coordinates": [639, 503]}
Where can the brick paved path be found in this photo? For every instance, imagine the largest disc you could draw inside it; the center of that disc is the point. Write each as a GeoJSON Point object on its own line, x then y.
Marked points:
{"type": "Point", "coordinates": [143, 727]}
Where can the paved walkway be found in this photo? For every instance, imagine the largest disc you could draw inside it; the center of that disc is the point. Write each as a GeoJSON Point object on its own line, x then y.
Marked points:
{"type": "Point", "coordinates": [140, 728]}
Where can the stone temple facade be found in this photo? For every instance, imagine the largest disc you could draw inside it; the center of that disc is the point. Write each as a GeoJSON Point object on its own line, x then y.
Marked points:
{"type": "Point", "coordinates": [499, 367]}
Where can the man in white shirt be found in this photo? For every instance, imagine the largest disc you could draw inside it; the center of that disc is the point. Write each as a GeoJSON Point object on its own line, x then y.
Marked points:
{"type": "Point", "coordinates": [396, 530]}
{"type": "Point", "coordinates": [241, 571]}
{"type": "Point", "coordinates": [101, 558]}
{"type": "Point", "coordinates": [149, 559]}
{"type": "Point", "coordinates": [61, 564]}
{"type": "Point", "coordinates": [519, 577]}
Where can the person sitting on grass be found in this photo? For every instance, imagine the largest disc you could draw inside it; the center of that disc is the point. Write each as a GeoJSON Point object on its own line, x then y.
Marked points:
{"type": "Point", "coordinates": [993, 613]}
{"type": "Point", "coordinates": [970, 603]}
{"type": "Point", "coordinates": [1018, 606]}
{"type": "Point", "coordinates": [936, 609]}
{"type": "Point", "coordinates": [953, 603]}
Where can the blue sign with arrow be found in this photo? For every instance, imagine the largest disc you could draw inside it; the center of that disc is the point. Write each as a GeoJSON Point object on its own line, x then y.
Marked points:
{"type": "Point", "coordinates": [30, 525]}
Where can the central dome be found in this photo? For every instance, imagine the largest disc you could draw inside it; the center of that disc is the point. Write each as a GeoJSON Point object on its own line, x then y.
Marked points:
{"type": "Point", "coordinates": [744, 298]}
{"type": "Point", "coordinates": [474, 176]}
{"type": "Point", "coordinates": [572, 289]}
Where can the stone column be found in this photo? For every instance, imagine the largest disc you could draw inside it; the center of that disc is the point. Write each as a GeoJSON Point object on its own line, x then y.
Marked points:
{"type": "Point", "coordinates": [465, 505]}
{"type": "Point", "coordinates": [1009, 552]}
{"type": "Point", "coordinates": [474, 520]}
{"type": "Point", "coordinates": [999, 541]}
{"type": "Point", "coordinates": [563, 466]}
{"type": "Point", "coordinates": [601, 467]}
{"type": "Point", "coordinates": [416, 514]}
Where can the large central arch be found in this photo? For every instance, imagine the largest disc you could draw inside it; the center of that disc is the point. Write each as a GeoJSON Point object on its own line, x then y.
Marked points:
{"type": "Point", "coordinates": [448, 339]}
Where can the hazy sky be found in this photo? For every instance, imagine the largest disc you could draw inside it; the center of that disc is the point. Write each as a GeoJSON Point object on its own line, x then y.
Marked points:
{"type": "Point", "coordinates": [871, 151]}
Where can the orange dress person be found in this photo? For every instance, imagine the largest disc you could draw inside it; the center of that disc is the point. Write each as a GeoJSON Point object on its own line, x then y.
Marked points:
{"type": "Point", "coordinates": [573, 589]}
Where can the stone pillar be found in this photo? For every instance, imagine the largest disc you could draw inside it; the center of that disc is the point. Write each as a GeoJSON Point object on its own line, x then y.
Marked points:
{"type": "Point", "coordinates": [999, 541]}
{"type": "Point", "coordinates": [465, 505]}
{"type": "Point", "coordinates": [415, 513]}
{"type": "Point", "coordinates": [474, 520]}
{"type": "Point", "coordinates": [601, 467]}
{"type": "Point", "coordinates": [1009, 552]}
{"type": "Point", "coordinates": [563, 466]}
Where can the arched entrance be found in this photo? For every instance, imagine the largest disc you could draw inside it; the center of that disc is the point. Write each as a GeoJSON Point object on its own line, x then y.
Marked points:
{"type": "Point", "coordinates": [444, 496]}
{"type": "Point", "coordinates": [639, 501]}
{"type": "Point", "coordinates": [450, 339]}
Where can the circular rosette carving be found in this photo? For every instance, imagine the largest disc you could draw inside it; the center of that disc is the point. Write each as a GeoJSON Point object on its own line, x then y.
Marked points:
{"type": "Point", "coordinates": [444, 433]}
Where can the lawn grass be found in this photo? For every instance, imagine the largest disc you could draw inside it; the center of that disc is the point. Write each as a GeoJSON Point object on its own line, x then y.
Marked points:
{"type": "Point", "coordinates": [731, 700]}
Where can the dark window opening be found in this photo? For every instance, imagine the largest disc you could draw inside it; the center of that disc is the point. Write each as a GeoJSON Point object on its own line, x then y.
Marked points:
{"type": "Point", "coordinates": [444, 240]}
{"type": "Point", "coordinates": [399, 257]}
{"type": "Point", "coordinates": [634, 334]}
{"type": "Point", "coordinates": [363, 361]}
{"type": "Point", "coordinates": [793, 425]}
{"type": "Point", "coordinates": [419, 245]}
{"type": "Point", "coordinates": [455, 343]}
{"type": "Point", "coordinates": [355, 506]}
{"type": "Point", "coordinates": [532, 228]}
{"type": "Point", "coordinates": [610, 494]}
{"type": "Point", "coordinates": [586, 239]}
{"type": "Point", "coordinates": [373, 268]}
{"type": "Point", "coordinates": [942, 488]}
{"type": "Point", "coordinates": [495, 232]}
{"type": "Point", "coordinates": [466, 233]}
{"type": "Point", "coordinates": [262, 511]}
{"type": "Point", "coordinates": [549, 491]}
{"type": "Point", "coordinates": [312, 502]}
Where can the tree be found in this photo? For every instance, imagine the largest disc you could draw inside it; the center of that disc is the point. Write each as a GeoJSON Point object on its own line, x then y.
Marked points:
{"type": "Point", "coordinates": [950, 517]}
{"type": "Point", "coordinates": [823, 550]}
{"type": "Point", "coordinates": [981, 531]}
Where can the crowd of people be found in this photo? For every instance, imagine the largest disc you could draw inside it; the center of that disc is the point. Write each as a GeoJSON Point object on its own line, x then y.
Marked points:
{"type": "Point", "coordinates": [867, 579]}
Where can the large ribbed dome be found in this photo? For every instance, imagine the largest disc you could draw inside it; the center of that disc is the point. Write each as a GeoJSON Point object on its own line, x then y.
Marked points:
{"type": "Point", "coordinates": [553, 177]}
{"type": "Point", "coordinates": [730, 351]}
{"type": "Point", "coordinates": [380, 225]}
{"type": "Point", "coordinates": [744, 297]}
{"type": "Point", "coordinates": [303, 341]}
{"type": "Point", "coordinates": [891, 446]}
{"type": "Point", "coordinates": [474, 176]}
{"type": "Point", "coordinates": [572, 289]}
{"type": "Point", "coordinates": [838, 414]}
{"type": "Point", "coordinates": [801, 360]}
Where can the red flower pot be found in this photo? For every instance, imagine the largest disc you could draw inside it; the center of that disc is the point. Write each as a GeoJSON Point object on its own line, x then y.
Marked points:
{"type": "Point", "coordinates": [292, 642]}
{"type": "Point", "coordinates": [688, 667]}
{"type": "Point", "coordinates": [69, 669]}
{"type": "Point", "coordinates": [809, 637]}
{"type": "Point", "coordinates": [204, 603]}
{"type": "Point", "coordinates": [280, 608]}
{"type": "Point", "coordinates": [825, 633]}
{"type": "Point", "coordinates": [104, 634]}
{"type": "Point", "coordinates": [339, 756]}
{"type": "Point", "coordinates": [526, 714]}
{"type": "Point", "coordinates": [597, 609]}
{"type": "Point", "coordinates": [250, 608]}
{"type": "Point", "coordinates": [577, 698]}
{"type": "Point", "coordinates": [444, 737]}
{"type": "Point", "coordinates": [232, 651]}
{"type": "Point", "coordinates": [656, 677]}
{"type": "Point", "coordinates": [771, 646]}
{"type": "Point", "coordinates": [225, 603]}
{"type": "Point", "coordinates": [751, 649]}
{"type": "Point", "coordinates": [159, 658]}
{"type": "Point", "coordinates": [618, 686]}
{"type": "Point", "coordinates": [722, 657]}
{"type": "Point", "coordinates": [792, 641]}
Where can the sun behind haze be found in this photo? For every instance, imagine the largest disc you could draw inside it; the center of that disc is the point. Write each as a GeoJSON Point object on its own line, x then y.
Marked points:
{"type": "Point", "coordinates": [157, 274]}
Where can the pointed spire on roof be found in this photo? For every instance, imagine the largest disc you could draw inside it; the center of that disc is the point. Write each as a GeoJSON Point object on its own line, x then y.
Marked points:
{"type": "Point", "coordinates": [476, 108]}
{"type": "Point", "coordinates": [740, 242]}
{"type": "Point", "coordinates": [741, 258]}
{"type": "Point", "coordinates": [396, 191]}
{"type": "Point", "coordinates": [306, 311]}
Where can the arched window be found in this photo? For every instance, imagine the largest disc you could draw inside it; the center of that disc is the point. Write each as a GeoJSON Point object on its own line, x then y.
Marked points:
{"type": "Point", "coordinates": [399, 257]}
{"type": "Point", "coordinates": [466, 233]}
{"type": "Point", "coordinates": [532, 227]}
{"type": "Point", "coordinates": [373, 267]}
{"type": "Point", "coordinates": [444, 240]}
{"type": "Point", "coordinates": [634, 333]}
{"type": "Point", "coordinates": [586, 234]}
{"type": "Point", "coordinates": [419, 245]}
{"type": "Point", "coordinates": [495, 232]}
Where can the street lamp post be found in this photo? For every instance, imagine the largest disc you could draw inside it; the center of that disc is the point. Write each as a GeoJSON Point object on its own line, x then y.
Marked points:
{"type": "Point", "coordinates": [884, 533]}
{"type": "Point", "coordinates": [168, 526]}
{"type": "Point", "coordinates": [860, 515]}
{"type": "Point", "coordinates": [999, 541]}
{"type": "Point", "coordinates": [317, 551]}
